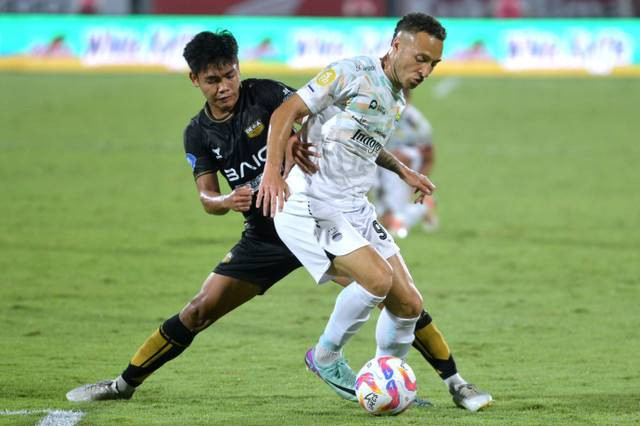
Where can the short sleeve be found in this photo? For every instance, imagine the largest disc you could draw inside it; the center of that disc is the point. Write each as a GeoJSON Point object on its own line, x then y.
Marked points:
{"type": "Point", "coordinates": [330, 86]}
{"type": "Point", "coordinates": [198, 156]}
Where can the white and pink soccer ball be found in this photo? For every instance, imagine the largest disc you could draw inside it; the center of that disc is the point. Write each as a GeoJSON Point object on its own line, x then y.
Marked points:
{"type": "Point", "coordinates": [386, 385]}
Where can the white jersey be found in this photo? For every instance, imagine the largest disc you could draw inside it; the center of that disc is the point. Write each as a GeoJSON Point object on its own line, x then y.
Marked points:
{"type": "Point", "coordinates": [355, 109]}
{"type": "Point", "coordinates": [413, 130]}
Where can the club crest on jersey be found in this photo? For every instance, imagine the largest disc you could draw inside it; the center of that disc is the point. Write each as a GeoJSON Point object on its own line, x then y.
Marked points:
{"type": "Point", "coordinates": [216, 151]}
{"type": "Point", "coordinates": [254, 129]}
{"type": "Point", "coordinates": [326, 77]}
{"type": "Point", "coordinates": [368, 142]}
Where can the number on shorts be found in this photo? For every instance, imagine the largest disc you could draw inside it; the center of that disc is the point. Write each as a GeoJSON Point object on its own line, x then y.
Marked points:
{"type": "Point", "coordinates": [380, 230]}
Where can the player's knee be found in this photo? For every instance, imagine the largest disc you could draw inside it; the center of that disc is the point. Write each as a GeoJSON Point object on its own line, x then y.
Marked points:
{"type": "Point", "coordinates": [197, 315]}
{"type": "Point", "coordinates": [380, 280]}
{"type": "Point", "coordinates": [411, 307]}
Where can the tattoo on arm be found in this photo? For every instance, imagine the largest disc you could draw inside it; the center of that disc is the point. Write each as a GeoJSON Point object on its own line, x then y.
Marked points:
{"type": "Point", "coordinates": [388, 161]}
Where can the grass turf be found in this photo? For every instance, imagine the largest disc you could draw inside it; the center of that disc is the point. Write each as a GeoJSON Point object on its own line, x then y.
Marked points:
{"type": "Point", "coordinates": [533, 277]}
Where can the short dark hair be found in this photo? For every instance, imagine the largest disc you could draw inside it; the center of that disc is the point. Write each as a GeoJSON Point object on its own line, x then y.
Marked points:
{"type": "Point", "coordinates": [207, 48]}
{"type": "Point", "coordinates": [421, 22]}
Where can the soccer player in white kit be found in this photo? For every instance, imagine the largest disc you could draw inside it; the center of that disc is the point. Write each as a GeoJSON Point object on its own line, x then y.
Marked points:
{"type": "Point", "coordinates": [327, 221]}
{"type": "Point", "coordinates": [412, 143]}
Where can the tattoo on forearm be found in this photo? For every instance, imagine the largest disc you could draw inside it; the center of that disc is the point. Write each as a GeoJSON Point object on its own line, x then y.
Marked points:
{"type": "Point", "coordinates": [388, 161]}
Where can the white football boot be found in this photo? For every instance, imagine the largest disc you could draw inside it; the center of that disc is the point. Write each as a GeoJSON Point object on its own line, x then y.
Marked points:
{"type": "Point", "coordinates": [468, 396]}
{"type": "Point", "coordinates": [101, 391]}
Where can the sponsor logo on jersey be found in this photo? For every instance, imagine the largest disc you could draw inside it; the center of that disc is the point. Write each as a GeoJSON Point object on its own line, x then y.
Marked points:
{"type": "Point", "coordinates": [254, 129]}
{"type": "Point", "coordinates": [255, 162]}
{"type": "Point", "coordinates": [380, 133]}
{"type": "Point", "coordinates": [374, 105]}
{"type": "Point", "coordinates": [365, 67]}
{"type": "Point", "coordinates": [326, 77]}
{"type": "Point", "coordinates": [216, 151]}
{"type": "Point", "coordinates": [369, 142]}
{"type": "Point", "coordinates": [192, 160]}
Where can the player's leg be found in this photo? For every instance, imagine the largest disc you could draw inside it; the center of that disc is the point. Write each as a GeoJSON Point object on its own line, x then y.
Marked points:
{"type": "Point", "coordinates": [219, 295]}
{"type": "Point", "coordinates": [404, 304]}
{"type": "Point", "coordinates": [402, 307]}
{"type": "Point", "coordinates": [328, 245]}
{"type": "Point", "coordinates": [431, 344]}
{"type": "Point", "coordinates": [404, 301]}
{"type": "Point", "coordinates": [353, 306]}
{"type": "Point", "coordinates": [372, 276]}
{"type": "Point", "coordinates": [251, 268]}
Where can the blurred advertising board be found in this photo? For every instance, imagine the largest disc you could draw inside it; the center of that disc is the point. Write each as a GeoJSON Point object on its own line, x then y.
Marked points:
{"type": "Point", "coordinates": [271, 7]}
{"type": "Point", "coordinates": [72, 42]}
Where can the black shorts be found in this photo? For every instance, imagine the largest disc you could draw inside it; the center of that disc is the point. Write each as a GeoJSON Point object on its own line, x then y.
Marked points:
{"type": "Point", "coordinates": [260, 262]}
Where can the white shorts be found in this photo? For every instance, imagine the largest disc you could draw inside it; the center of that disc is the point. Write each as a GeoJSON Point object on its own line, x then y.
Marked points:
{"type": "Point", "coordinates": [315, 233]}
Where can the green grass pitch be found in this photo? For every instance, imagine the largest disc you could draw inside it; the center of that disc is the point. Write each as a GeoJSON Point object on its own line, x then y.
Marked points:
{"type": "Point", "coordinates": [534, 276]}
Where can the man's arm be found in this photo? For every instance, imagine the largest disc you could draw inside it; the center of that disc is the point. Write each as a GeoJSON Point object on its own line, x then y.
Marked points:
{"type": "Point", "coordinates": [273, 189]}
{"type": "Point", "coordinates": [388, 161]}
{"type": "Point", "coordinates": [416, 180]}
{"type": "Point", "coordinates": [214, 202]}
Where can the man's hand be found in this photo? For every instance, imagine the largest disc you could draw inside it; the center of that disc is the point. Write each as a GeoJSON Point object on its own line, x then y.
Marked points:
{"type": "Point", "coordinates": [419, 182]}
{"type": "Point", "coordinates": [299, 153]}
{"type": "Point", "coordinates": [273, 192]}
{"type": "Point", "coordinates": [239, 200]}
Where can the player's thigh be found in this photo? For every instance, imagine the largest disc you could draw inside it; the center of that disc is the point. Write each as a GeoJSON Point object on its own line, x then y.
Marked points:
{"type": "Point", "coordinates": [219, 295]}
{"type": "Point", "coordinates": [404, 299]}
{"type": "Point", "coordinates": [367, 267]}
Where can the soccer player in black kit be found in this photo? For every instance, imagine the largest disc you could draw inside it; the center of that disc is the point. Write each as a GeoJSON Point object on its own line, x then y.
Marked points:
{"type": "Point", "coordinates": [228, 136]}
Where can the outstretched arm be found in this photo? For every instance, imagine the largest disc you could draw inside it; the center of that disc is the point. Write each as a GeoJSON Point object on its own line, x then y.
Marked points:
{"type": "Point", "coordinates": [273, 189]}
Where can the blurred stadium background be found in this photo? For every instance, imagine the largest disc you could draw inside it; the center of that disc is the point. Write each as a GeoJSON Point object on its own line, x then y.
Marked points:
{"type": "Point", "coordinates": [533, 275]}
{"type": "Point", "coordinates": [485, 36]}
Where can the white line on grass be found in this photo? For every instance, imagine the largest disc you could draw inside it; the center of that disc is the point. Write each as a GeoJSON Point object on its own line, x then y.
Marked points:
{"type": "Point", "coordinates": [61, 418]}
{"type": "Point", "coordinates": [53, 417]}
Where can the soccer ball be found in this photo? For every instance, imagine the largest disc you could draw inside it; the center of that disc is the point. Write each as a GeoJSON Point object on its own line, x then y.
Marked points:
{"type": "Point", "coordinates": [386, 385]}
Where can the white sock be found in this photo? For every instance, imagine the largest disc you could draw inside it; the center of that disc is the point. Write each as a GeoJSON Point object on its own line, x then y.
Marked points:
{"type": "Point", "coordinates": [394, 335]}
{"type": "Point", "coordinates": [123, 387]}
{"type": "Point", "coordinates": [454, 382]}
{"type": "Point", "coordinates": [351, 311]}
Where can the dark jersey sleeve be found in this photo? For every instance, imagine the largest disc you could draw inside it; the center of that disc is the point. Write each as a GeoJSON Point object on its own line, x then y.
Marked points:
{"type": "Point", "coordinates": [198, 155]}
{"type": "Point", "coordinates": [272, 93]}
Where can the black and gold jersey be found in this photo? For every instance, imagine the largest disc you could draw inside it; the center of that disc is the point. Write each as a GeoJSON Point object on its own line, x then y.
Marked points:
{"type": "Point", "coordinates": [237, 146]}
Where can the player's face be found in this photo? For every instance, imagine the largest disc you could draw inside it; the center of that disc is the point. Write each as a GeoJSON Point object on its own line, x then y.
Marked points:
{"type": "Point", "coordinates": [220, 86]}
{"type": "Point", "coordinates": [416, 55]}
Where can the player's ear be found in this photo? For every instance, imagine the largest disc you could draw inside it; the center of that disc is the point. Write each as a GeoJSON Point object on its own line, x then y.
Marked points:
{"type": "Point", "coordinates": [395, 43]}
{"type": "Point", "coordinates": [194, 79]}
